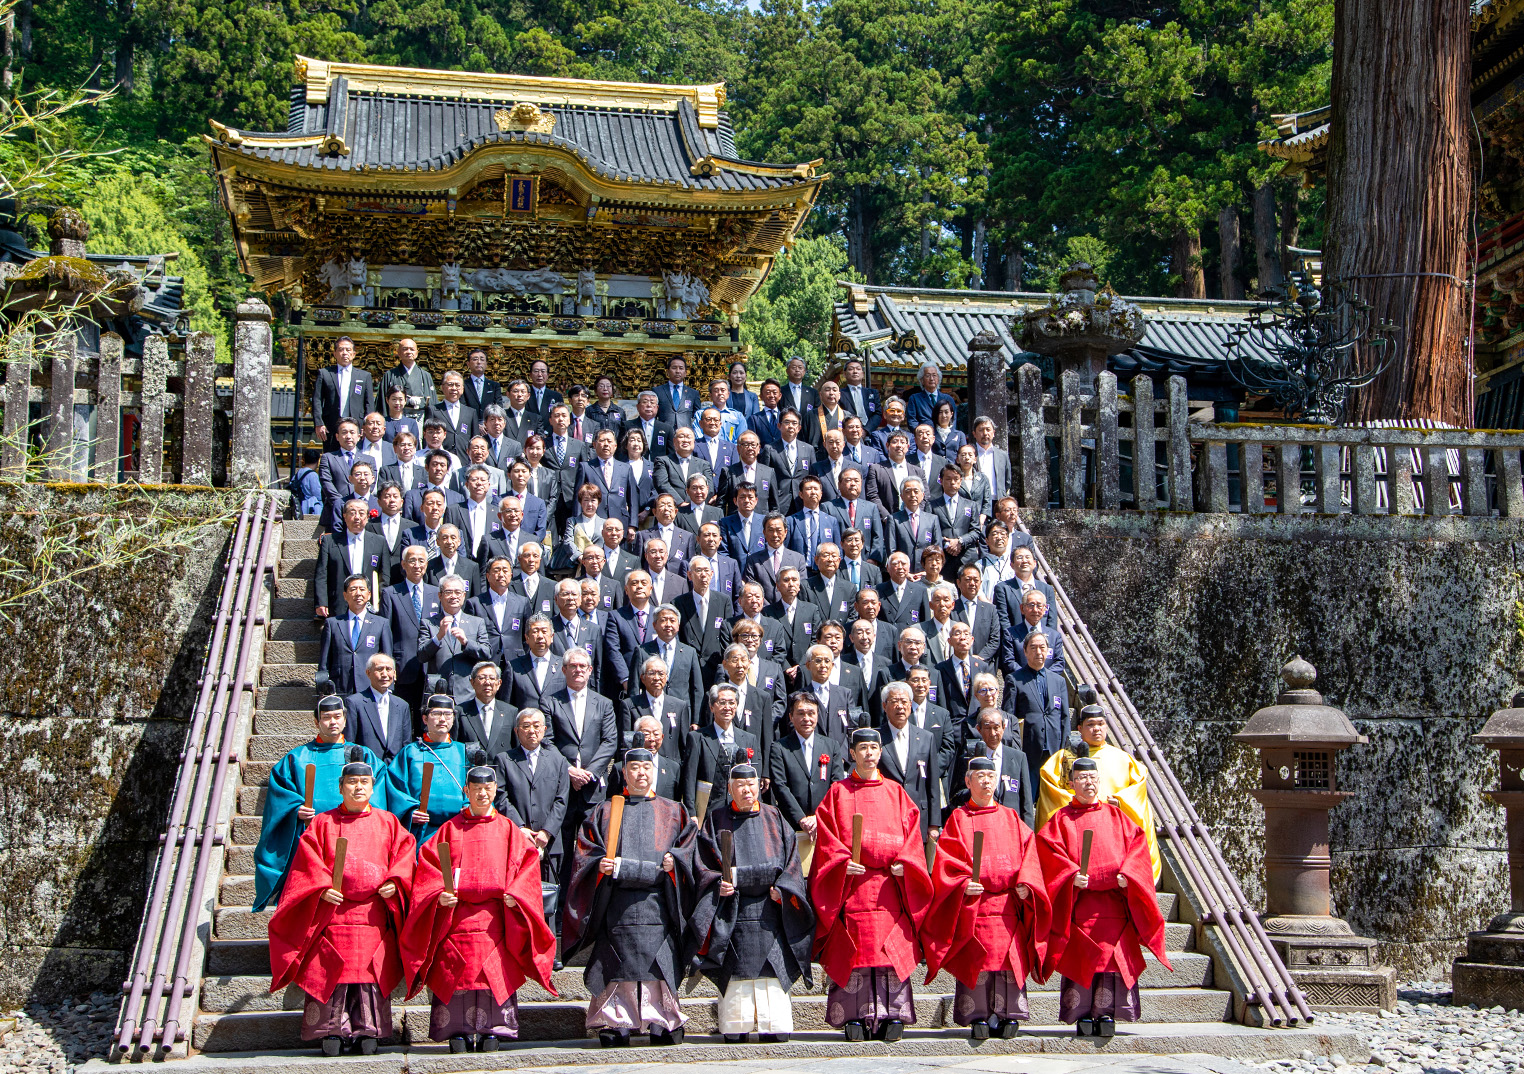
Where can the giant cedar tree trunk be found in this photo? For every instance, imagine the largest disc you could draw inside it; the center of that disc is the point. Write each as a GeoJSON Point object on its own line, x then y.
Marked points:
{"type": "Point", "coordinates": [1185, 262]}
{"type": "Point", "coordinates": [860, 233]}
{"type": "Point", "coordinates": [1230, 238]}
{"type": "Point", "coordinates": [1399, 193]}
{"type": "Point", "coordinates": [1014, 264]}
{"type": "Point", "coordinates": [1291, 223]}
{"type": "Point", "coordinates": [1267, 255]}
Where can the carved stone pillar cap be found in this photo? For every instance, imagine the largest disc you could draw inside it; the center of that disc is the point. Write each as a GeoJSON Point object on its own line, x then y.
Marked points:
{"type": "Point", "coordinates": [1504, 729]}
{"type": "Point", "coordinates": [253, 309]}
{"type": "Point", "coordinates": [985, 341]}
{"type": "Point", "coordinates": [1299, 718]}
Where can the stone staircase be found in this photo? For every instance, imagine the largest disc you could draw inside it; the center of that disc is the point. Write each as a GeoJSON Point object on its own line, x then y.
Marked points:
{"type": "Point", "coordinates": [238, 1013]}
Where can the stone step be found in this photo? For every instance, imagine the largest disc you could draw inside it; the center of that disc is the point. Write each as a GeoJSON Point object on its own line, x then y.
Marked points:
{"type": "Point", "coordinates": [251, 801]}
{"type": "Point", "coordinates": [291, 608]}
{"type": "Point", "coordinates": [286, 697]}
{"type": "Point", "coordinates": [241, 923]}
{"type": "Point", "coordinates": [304, 567]}
{"type": "Point", "coordinates": [234, 958]}
{"type": "Point", "coordinates": [300, 548]}
{"type": "Point", "coordinates": [257, 1030]}
{"type": "Point", "coordinates": [292, 652]}
{"type": "Point", "coordinates": [284, 722]}
{"type": "Point", "coordinates": [236, 891]}
{"type": "Point", "coordinates": [273, 747]}
{"type": "Point", "coordinates": [294, 588]}
{"type": "Point", "coordinates": [246, 833]}
{"type": "Point", "coordinates": [297, 628]}
{"type": "Point", "coordinates": [239, 860]}
{"type": "Point", "coordinates": [252, 993]}
{"type": "Point", "coordinates": [292, 674]}
{"type": "Point", "coordinates": [302, 529]}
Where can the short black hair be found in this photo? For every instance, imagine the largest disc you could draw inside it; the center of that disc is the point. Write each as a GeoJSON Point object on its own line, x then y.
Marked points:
{"type": "Point", "coordinates": [310, 456]}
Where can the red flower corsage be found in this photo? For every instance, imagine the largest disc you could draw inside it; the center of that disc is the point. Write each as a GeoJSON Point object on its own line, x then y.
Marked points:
{"type": "Point", "coordinates": [748, 753]}
{"type": "Point", "coordinates": [374, 514]}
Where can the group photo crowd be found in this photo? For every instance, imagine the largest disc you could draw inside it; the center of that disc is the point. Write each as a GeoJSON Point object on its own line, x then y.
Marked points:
{"type": "Point", "coordinates": [747, 685]}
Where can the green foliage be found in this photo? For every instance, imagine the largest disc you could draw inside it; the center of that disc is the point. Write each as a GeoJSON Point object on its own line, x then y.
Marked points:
{"type": "Point", "coordinates": [791, 313]}
{"type": "Point", "coordinates": [127, 216]}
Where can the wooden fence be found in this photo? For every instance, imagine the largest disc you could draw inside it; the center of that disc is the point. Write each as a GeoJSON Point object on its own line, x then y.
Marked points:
{"type": "Point", "coordinates": [1096, 449]}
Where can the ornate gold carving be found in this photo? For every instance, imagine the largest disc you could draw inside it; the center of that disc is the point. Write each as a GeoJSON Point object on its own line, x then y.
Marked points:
{"type": "Point", "coordinates": [524, 116]}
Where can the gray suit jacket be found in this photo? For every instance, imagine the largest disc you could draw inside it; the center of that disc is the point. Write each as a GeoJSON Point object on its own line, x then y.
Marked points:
{"type": "Point", "coordinates": [451, 660]}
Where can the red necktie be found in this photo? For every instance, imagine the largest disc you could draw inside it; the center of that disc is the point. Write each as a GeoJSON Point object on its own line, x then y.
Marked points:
{"type": "Point", "coordinates": [577, 428]}
{"type": "Point", "coordinates": [852, 513]}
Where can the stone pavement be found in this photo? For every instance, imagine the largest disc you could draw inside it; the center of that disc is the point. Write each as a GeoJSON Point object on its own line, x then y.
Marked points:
{"type": "Point", "coordinates": [1128, 1063]}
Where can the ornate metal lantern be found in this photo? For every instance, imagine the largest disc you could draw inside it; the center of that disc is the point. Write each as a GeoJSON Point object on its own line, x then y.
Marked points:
{"type": "Point", "coordinates": [1309, 350]}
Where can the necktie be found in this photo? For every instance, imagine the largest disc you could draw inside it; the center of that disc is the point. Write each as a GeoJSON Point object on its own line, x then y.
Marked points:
{"type": "Point", "coordinates": [810, 532]}
{"type": "Point", "coordinates": [561, 450]}
{"type": "Point", "coordinates": [852, 513]}
{"type": "Point", "coordinates": [852, 566]}
{"type": "Point", "coordinates": [965, 674]}
{"type": "Point", "coordinates": [349, 458]}
{"type": "Point", "coordinates": [776, 554]}
{"type": "Point", "coordinates": [577, 428]}
{"type": "Point", "coordinates": [608, 472]}
{"type": "Point", "coordinates": [856, 455]}
{"type": "Point", "coordinates": [533, 760]}
{"type": "Point", "coordinates": [431, 545]}
{"type": "Point", "coordinates": [640, 626]}
{"type": "Point", "coordinates": [915, 525]}
{"type": "Point", "coordinates": [677, 395]}
{"type": "Point", "coordinates": [354, 633]}
{"type": "Point", "coordinates": [417, 603]}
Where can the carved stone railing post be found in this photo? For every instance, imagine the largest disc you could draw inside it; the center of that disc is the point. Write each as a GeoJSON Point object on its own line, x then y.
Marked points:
{"type": "Point", "coordinates": [1179, 446]}
{"type": "Point", "coordinates": [18, 390]}
{"type": "Point", "coordinates": [108, 410]}
{"type": "Point", "coordinates": [1034, 444]}
{"type": "Point", "coordinates": [1145, 480]}
{"type": "Point", "coordinates": [989, 383]}
{"type": "Point", "coordinates": [1108, 462]}
{"type": "Point", "coordinates": [200, 400]}
{"type": "Point", "coordinates": [151, 439]}
{"type": "Point", "coordinates": [61, 407]}
{"type": "Point", "coordinates": [252, 345]}
{"type": "Point", "coordinates": [1299, 739]}
{"type": "Point", "coordinates": [1071, 457]}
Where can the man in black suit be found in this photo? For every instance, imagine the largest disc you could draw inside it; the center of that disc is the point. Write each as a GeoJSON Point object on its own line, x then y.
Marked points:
{"type": "Point", "coordinates": [912, 528]}
{"type": "Point", "coordinates": [630, 627]}
{"type": "Point", "coordinates": [583, 728]}
{"type": "Point", "coordinates": [702, 614]}
{"type": "Point", "coordinates": [958, 517]}
{"type": "Point", "coordinates": [541, 396]}
{"type": "Point", "coordinates": [711, 751]}
{"type": "Point", "coordinates": [572, 628]}
{"type": "Point", "coordinates": [658, 432]}
{"type": "Point", "coordinates": [504, 612]}
{"type": "Point", "coordinates": [685, 680]}
{"type": "Point", "coordinates": [978, 614]}
{"type": "Point", "coordinates": [334, 468]}
{"type": "Point", "coordinates": [826, 588]}
{"type": "Point", "coordinates": [836, 707]}
{"type": "Point", "coordinates": [483, 719]}
{"type": "Point", "coordinates": [406, 606]}
{"type": "Point", "coordinates": [407, 471]}
{"type": "Point", "coordinates": [958, 671]}
{"type": "Point", "coordinates": [750, 467]}
{"type": "Point", "coordinates": [592, 567]}
{"type": "Point", "coordinates": [452, 412]}
{"type": "Point", "coordinates": [912, 756]}
{"type": "Point", "coordinates": [994, 462]}
{"type": "Point", "coordinates": [859, 446]}
{"type": "Point", "coordinates": [763, 567]}
{"type": "Point", "coordinates": [653, 701]}
{"type": "Point", "coordinates": [437, 470]}
{"type": "Point", "coordinates": [697, 510]}
{"type": "Point", "coordinates": [930, 716]}
{"type": "Point", "coordinates": [774, 640]}
{"type": "Point", "coordinates": [453, 560]}
{"type": "Point", "coordinates": [742, 529]}
{"type": "Point", "coordinates": [355, 551]}
{"type": "Point", "coordinates": [1034, 616]}
{"type": "Point", "coordinates": [677, 403]}
{"type": "Point", "coordinates": [791, 459]}
{"type": "Point", "coordinates": [902, 598]}
{"type": "Point", "coordinates": [799, 618]}
{"type": "Point", "coordinates": [564, 454]}
{"type": "Point", "coordinates": [671, 472]}
{"type": "Point", "coordinates": [804, 764]}
{"type": "Point", "coordinates": [796, 393]}
{"type": "Point", "coordinates": [725, 579]}
{"type": "Point", "coordinates": [535, 782]}
{"type": "Point", "coordinates": [859, 514]}
{"type": "Point", "coordinates": [857, 396]}
{"type": "Point", "coordinates": [521, 421]}
{"type": "Point", "coordinates": [1041, 699]}
{"type": "Point", "coordinates": [885, 478]}
{"type": "Point", "coordinates": [534, 676]}
{"type": "Point", "coordinates": [341, 392]}
{"type": "Point", "coordinates": [376, 717]}
{"type": "Point", "coordinates": [451, 642]}
{"type": "Point", "coordinates": [480, 390]}
{"type": "Point", "coordinates": [1014, 786]}
{"type": "Point", "coordinates": [829, 463]}
{"type": "Point", "coordinates": [709, 442]}
{"type": "Point", "coordinates": [392, 526]}
{"type": "Point", "coordinates": [349, 641]}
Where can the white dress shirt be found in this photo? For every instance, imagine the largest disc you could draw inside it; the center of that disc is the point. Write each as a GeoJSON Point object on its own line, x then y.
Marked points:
{"type": "Point", "coordinates": [355, 546]}
{"type": "Point", "coordinates": [579, 710]}
{"type": "Point", "coordinates": [383, 710]}
{"type": "Point", "coordinates": [901, 745]}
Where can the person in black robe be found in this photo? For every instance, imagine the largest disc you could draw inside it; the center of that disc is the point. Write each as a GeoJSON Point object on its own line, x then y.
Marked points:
{"type": "Point", "coordinates": [751, 934]}
{"type": "Point", "coordinates": [630, 903]}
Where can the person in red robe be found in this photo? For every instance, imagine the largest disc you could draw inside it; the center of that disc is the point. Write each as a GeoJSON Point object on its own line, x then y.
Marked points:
{"type": "Point", "coordinates": [339, 943]}
{"type": "Point", "coordinates": [475, 940]}
{"type": "Point", "coordinates": [869, 907]}
{"type": "Point", "coordinates": [992, 931]}
{"type": "Point", "coordinates": [1104, 913]}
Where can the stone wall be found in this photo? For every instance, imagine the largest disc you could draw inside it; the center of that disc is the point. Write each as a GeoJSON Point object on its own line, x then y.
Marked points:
{"type": "Point", "coordinates": [106, 599]}
{"type": "Point", "coordinates": [1414, 626]}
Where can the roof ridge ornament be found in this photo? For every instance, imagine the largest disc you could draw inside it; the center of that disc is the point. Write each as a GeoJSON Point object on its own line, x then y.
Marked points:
{"type": "Point", "coordinates": [525, 116]}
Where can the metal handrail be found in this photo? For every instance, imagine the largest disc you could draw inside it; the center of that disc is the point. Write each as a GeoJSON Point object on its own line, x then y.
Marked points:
{"type": "Point", "coordinates": [1214, 884]}
{"type": "Point", "coordinates": [169, 927]}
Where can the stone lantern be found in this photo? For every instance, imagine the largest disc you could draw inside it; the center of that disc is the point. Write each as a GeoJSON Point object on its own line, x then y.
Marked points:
{"type": "Point", "coordinates": [1299, 739]}
{"type": "Point", "coordinates": [1492, 971]}
{"type": "Point", "coordinates": [1081, 326]}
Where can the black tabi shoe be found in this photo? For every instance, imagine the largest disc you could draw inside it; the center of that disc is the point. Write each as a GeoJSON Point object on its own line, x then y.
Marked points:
{"type": "Point", "coordinates": [734, 1038]}
{"type": "Point", "coordinates": [1105, 1026]}
{"type": "Point", "coordinates": [1009, 1028]}
{"type": "Point", "coordinates": [978, 1029]}
{"type": "Point", "coordinates": [1085, 1027]}
{"type": "Point", "coordinates": [331, 1046]}
{"type": "Point", "coordinates": [668, 1037]}
{"type": "Point", "coordinates": [772, 1038]}
{"type": "Point", "coordinates": [892, 1030]}
{"type": "Point", "coordinates": [459, 1044]}
{"type": "Point", "coordinates": [365, 1046]}
{"type": "Point", "coordinates": [612, 1038]}
{"type": "Point", "coordinates": [486, 1043]}
{"type": "Point", "coordinates": [855, 1031]}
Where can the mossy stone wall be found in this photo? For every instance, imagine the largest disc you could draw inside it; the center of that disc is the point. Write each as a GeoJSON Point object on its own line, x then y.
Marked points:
{"type": "Point", "coordinates": [1413, 625]}
{"type": "Point", "coordinates": [103, 640]}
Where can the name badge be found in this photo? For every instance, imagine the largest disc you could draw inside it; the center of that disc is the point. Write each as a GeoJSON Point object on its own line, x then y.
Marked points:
{"type": "Point", "coordinates": [870, 406]}
{"type": "Point", "coordinates": [922, 766]}
{"type": "Point", "coordinates": [608, 601]}
{"type": "Point", "coordinates": [764, 486]}
{"type": "Point", "coordinates": [769, 645]}
{"type": "Point", "coordinates": [809, 628]}
{"type": "Point", "coordinates": [1010, 783]}
{"type": "Point", "coordinates": [359, 389]}
{"type": "Point", "coordinates": [433, 605]}
{"type": "Point", "coordinates": [1058, 702]}
{"type": "Point", "coordinates": [687, 404]}
{"type": "Point", "coordinates": [462, 426]}
{"type": "Point", "coordinates": [661, 440]}
{"type": "Point", "coordinates": [370, 641]}
{"type": "Point", "coordinates": [915, 616]}
{"type": "Point", "coordinates": [767, 683]}
{"type": "Point", "coordinates": [375, 560]}
{"type": "Point", "coordinates": [717, 621]}
{"type": "Point", "coordinates": [931, 695]}
{"type": "Point", "coordinates": [515, 623]}
{"type": "Point", "coordinates": [545, 606]}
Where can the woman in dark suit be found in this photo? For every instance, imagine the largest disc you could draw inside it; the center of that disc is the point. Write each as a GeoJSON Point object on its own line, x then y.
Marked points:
{"type": "Point", "coordinates": [975, 485]}
{"type": "Point", "coordinates": [605, 412]}
{"type": "Point", "coordinates": [642, 485]}
{"type": "Point", "coordinates": [947, 439]}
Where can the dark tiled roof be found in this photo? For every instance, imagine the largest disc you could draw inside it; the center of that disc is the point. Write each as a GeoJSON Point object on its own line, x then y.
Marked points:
{"type": "Point", "coordinates": [1180, 338]}
{"type": "Point", "coordinates": [388, 132]}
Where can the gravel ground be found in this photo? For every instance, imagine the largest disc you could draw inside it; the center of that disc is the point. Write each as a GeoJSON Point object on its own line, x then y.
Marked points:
{"type": "Point", "coordinates": [1426, 1035]}
{"type": "Point", "coordinates": [53, 1040]}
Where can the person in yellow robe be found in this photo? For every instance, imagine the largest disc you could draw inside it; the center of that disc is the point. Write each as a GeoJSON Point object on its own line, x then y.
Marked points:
{"type": "Point", "coordinates": [1124, 782]}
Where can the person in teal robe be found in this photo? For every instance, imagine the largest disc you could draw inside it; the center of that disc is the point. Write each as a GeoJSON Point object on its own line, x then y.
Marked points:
{"type": "Point", "coordinates": [404, 776]}
{"type": "Point", "coordinates": [286, 814]}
